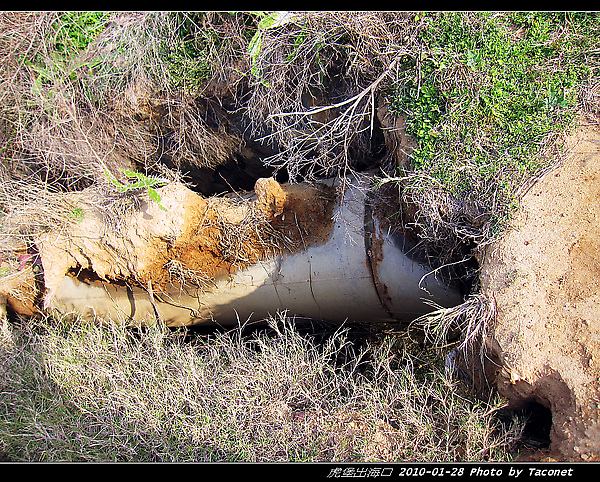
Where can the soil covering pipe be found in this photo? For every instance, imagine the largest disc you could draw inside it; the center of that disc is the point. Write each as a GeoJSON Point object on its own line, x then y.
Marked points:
{"type": "Point", "coordinates": [361, 273]}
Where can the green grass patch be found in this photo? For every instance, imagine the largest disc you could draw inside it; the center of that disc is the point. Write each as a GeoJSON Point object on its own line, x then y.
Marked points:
{"type": "Point", "coordinates": [486, 94]}
{"type": "Point", "coordinates": [67, 37]}
{"type": "Point", "coordinates": [74, 31]}
{"type": "Point", "coordinates": [201, 41]}
{"type": "Point", "coordinates": [188, 60]}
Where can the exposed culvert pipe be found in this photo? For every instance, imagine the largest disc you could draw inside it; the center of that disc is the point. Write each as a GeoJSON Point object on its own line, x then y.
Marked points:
{"type": "Point", "coordinates": [361, 273]}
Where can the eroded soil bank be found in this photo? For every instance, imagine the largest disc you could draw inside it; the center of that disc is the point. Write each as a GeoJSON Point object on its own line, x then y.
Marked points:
{"type": "Point", "coordinates": [545, 278]}
{"type": "Point", "coordinates": [186, 240]}
{"type": "Point", "coordinates": [319, 251]}
{"type": "Point", "coordinates": [544, 274]}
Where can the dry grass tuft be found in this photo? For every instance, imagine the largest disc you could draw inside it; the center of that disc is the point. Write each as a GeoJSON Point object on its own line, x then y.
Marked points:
{"type": "Point", "coordinates": [471, 320]}
{"type": "Point", "coordinates": [79, 392]}
{"type": "Point", "coordinates": [462, 335]}
{"type": "Point", "coordinates": [321, 75]}
{"type": "Point", "coordinates": [73, 117]}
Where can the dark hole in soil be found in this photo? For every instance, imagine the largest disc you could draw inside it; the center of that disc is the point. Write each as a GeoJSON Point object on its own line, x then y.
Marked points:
{"type": "Point", "coordinates": [538, 424]}
{"type": "Point", "coordinates": [237, 174]}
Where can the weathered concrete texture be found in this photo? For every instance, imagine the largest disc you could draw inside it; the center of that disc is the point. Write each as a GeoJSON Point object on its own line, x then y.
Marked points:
{"type": "Point", "coordinates": [545, 277]}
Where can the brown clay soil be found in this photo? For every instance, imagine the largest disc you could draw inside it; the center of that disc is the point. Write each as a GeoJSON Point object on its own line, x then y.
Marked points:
{"type": "Point", "coordinates": [193, 240]}
{"type": "Point", "coordinates": [545, 278]}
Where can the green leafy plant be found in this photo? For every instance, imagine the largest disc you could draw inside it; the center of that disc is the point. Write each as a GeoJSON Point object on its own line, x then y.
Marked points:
{"type": "Point", "coordinates": [143, 182]}
{"type": "Point", "coordinates": [424, 106]}
{"type": "Point", "coordinates": [268, 21]}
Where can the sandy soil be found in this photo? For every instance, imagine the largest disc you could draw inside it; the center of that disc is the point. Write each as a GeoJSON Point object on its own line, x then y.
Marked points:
{"type": "Point", "coordinates": [545, 277]}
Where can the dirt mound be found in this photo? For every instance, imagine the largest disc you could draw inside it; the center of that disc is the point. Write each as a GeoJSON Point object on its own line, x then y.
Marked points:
{"type": "Point", "coordinates": [545, 278]}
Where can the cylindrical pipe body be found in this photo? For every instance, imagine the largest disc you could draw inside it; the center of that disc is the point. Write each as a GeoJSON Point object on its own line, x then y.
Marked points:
{"type": "Point", "coordinates": [361, 273]}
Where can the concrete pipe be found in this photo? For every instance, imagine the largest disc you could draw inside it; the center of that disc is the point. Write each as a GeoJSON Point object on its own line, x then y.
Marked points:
{"type": "Point", "coordinates": [361, 273]}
